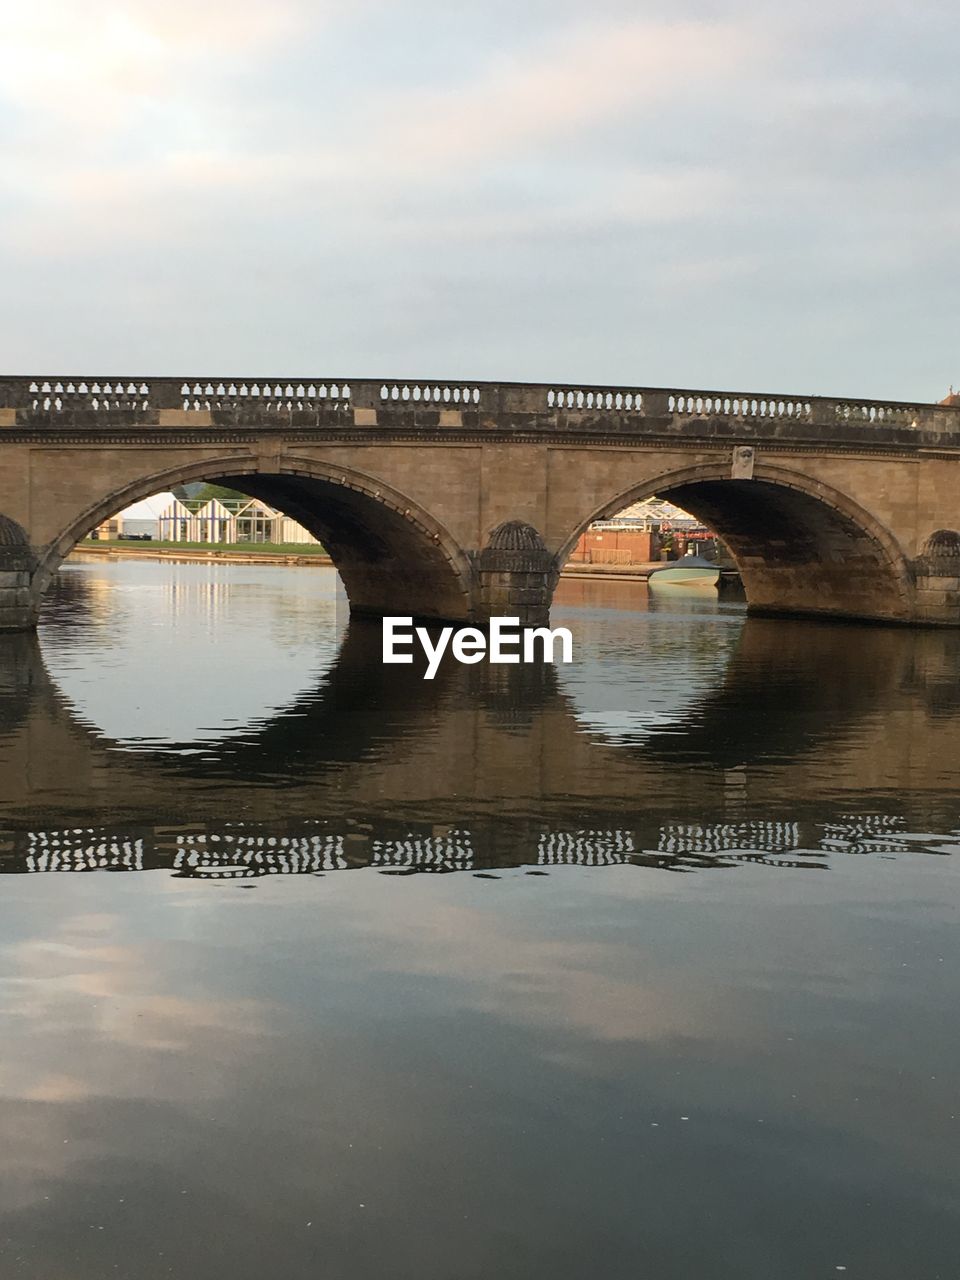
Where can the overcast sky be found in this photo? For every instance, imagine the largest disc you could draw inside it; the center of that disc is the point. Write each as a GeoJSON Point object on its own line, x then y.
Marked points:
{"type": "Point", "coordinates": [702, 194]}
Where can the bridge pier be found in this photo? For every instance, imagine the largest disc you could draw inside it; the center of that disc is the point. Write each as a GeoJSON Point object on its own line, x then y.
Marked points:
{"type": "Point", "coordinates": [18, 608]}
{"type": "Point", "coordinates": [516, 576]}
{"type": "Point", "coordinates": [19, 603]}
{"type": "Point", "coordinates": [938, 579]}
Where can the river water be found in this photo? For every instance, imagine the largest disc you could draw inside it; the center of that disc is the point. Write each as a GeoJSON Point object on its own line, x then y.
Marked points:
{"type": "Point", "coordinates": [642, 966]}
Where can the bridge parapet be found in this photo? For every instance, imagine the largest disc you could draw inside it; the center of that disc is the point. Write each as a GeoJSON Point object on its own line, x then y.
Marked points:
{"type": "Point", "coordinates": [813, 409]}
{"type": "Point", "coordinates": [369, 402]}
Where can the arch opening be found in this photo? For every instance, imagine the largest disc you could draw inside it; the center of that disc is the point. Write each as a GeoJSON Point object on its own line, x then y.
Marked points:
{"type": "Point", "coordinates": [392, 556]}
{"type": "Point", "coordinates": [800, 548]}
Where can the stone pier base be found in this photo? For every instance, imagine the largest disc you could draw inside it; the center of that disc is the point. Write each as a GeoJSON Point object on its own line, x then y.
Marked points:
{"type": "Point", "coordinates": [937, 573]}
{"type": "Point", "coordinates": [938, 600]}
{"type": "Point", "coordinates": [517, 576]}
{"type": "Point", "coordinates": [19, 603]}
{"type": "Point", "coordinates": [18, 609]}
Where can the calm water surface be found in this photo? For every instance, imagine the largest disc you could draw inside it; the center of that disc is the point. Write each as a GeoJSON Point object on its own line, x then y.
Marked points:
{"type": "Point", "coordinates": [683, 1005]}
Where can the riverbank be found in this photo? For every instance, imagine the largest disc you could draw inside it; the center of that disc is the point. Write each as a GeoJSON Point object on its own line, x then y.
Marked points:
{"type": "Point", "coordinates": [306, 554]}
{"type": "Point", "coordinates": [287, 554]}
{"type": "Point", "coordinates": [598, 572]}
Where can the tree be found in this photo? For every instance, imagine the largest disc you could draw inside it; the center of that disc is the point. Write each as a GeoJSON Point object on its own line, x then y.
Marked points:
{"type": "Point", "coordinates": [217, 491]}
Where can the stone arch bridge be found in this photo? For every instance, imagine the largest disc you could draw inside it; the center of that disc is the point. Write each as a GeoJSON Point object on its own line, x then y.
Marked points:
{"type": "Point", "coordinates": [461, 500]}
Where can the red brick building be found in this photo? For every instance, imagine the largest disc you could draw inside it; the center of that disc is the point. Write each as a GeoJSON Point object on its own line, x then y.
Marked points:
{"type": "Point", "coordinates": [606, 544]}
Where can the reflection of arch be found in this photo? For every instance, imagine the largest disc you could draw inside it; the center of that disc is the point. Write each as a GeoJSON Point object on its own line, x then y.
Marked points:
{"type": "Point", "coordinates": [772, 699]}
{"type": "Point", "coordinates": [392, 554]}
{"type": "Point", "coordinates": [801, 545]}
{"type": "Point", "coordinates": [379, 741]}
{"type": "Point", "coordinates": [356, 703]}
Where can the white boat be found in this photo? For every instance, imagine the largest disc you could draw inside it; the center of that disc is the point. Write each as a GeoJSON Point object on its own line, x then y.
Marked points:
{"type": "Point", "coordinates": [689, 571]}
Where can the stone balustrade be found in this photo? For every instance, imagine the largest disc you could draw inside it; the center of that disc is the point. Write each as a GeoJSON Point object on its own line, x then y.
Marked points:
{"type": "Point", "coordinates": [364, 402]}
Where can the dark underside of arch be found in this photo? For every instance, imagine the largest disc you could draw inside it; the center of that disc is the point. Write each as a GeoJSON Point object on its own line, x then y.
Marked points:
{"type": "Point", "coordinates": [797, 553]}
{"type": "Point", "coordinates": [389, 564]}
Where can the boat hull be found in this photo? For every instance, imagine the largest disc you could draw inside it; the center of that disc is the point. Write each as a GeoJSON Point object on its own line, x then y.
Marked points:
{"type": "Point", "coordinates": [686, 576]}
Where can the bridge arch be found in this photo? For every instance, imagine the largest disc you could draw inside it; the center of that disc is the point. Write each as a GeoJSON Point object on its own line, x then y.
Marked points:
{"type": "Point", "coordinates": [801, 546]}
{"type": "Point", "coordinates": [392, 555]}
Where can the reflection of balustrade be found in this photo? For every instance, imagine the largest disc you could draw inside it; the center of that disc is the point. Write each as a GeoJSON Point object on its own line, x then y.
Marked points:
{"type": "Point", "coordinates": [543, 405]}
{"type": "Point", "coordinates": [83, 849]}
{"type": "Point", "coordinates": [232, 855]}
{"type": "Point", "coordinates": [867, 833]}
{"type": "Point", "coordinates": [451, 851]}
{"type": "Point", "coordinates": [584, 848]}
{"type": "Point", "coordinates": [238, 852]}
{"type": "Point", "coordinates": [724, 837]}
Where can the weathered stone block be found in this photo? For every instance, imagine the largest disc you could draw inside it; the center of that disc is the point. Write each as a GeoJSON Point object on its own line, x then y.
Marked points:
{"type": "Point", "coordinates": [525, 595]}
{"type": "Point", "coordinates": [938, 616]}
{"type": "Point", "coordinates": [15, 597]}
{"type": "Point", "coordinates": [530, 615]}
{"type": "Point", "coordinates": [933, 598]}
{"type": "Point", "coordinates": [17, 619]}
{"type": "Point", "coordinates": [184, 417]}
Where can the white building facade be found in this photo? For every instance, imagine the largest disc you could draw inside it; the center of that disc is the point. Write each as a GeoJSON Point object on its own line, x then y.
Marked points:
{"type": "Point", "coordinates": [219, 521]}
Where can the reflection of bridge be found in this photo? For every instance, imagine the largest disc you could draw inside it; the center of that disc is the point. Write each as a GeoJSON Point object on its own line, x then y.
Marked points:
{"type": "Point", "coordinates": [462, 500]}
{"type": "Point", "coordinates": [313, 848]}
{"type": "Point", "coordinates": [421, 761]}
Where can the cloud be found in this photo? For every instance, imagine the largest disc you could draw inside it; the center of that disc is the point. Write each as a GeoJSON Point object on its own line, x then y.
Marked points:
{"type": "Point", "coordinates": [509, 973]}
{"type": "Point", "coordinates": [583, 77]}
{"type": "Point", "coordinates": [99, 67]}
{"type": "Point", "coordinates": [138, 79]}
{"type": "Point", "coordinates": [379, 156]}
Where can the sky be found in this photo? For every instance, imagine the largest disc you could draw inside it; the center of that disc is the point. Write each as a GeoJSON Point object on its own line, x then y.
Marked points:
{"type": "Point", "coordinates": [693, 193]}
